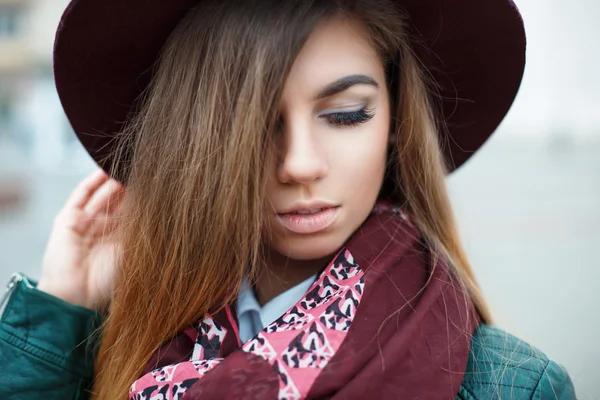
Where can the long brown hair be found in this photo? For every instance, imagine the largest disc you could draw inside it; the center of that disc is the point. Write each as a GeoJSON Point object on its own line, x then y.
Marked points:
{"type": "Point", "coordinates": [197, 151]}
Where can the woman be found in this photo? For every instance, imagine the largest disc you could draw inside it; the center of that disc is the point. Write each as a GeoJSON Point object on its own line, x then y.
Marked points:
{"type": "Point", "coordinates": [285, 230]}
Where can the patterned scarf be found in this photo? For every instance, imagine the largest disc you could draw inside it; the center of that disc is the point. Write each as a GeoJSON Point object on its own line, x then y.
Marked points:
{"type": "Point", "coordinates": [379, 322]}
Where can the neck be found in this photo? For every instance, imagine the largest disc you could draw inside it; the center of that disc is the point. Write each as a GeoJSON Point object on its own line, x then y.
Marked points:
{"type": "Point", "coordinates": [283, 273]}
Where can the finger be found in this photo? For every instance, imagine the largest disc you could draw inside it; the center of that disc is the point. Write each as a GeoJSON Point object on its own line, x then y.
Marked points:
{"type": "Point", "coordinates": [103, 226]}
{"type": "Point", "coordinates": [107, 201]}
{"type": "Point", "coordinates": [105, 198]}
{"type": "Point", "coordinates": [116, 200]}
{"type": "Point", "coordinates": [86, 189]}
{"type": "Point", "coordinates": [73, 219]}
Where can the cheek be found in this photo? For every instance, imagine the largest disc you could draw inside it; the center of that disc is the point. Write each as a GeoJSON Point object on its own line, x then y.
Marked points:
{"type": "Point", "coordinates": [358, 164]}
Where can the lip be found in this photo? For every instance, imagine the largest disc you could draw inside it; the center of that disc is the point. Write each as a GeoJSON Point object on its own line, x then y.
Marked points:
{"type": "Point", "coordinates": [307, 206]}
{"type": "Point", "coordinates": [309, 223]}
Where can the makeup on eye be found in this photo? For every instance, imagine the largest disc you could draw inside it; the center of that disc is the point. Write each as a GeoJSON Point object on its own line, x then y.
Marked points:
{"type": "Point", "coordinates": [348, 104]}
{"type": "Point", "coordinates": [341, 116]}
{"type": "Point", "coordinates": [349, 118]}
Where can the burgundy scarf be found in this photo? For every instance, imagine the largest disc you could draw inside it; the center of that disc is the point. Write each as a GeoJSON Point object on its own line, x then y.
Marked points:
{"type": "Point", "coordinates": [364, 330]}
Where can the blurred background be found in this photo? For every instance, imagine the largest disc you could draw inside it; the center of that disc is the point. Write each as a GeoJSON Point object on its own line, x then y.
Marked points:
{"type": "Point", "coordinates": [528, 204]}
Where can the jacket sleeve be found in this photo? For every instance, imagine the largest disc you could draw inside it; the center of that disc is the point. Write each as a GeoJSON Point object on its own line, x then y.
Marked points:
{"type": "Point", "coordinates": [46, 345]}
{"type": "Point", "coordinates": [501, 366]}
{"type": "Point", "coordinates": [554, 383]}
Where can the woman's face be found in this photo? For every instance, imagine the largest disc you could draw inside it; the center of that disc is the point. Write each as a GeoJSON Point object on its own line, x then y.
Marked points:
{"type": "Point", "coordinates": [332, 144]}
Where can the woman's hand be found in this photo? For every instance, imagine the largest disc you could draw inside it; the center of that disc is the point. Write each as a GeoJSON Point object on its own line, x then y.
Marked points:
{"type": "Point", "coordinates": [78, 264]}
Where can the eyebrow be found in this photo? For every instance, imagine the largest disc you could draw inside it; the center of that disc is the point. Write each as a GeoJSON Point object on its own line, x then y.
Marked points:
{"type": "Point", "coordinates": [345, 83]}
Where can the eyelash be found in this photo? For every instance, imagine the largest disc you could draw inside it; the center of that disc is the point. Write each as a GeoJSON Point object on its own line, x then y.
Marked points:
{"type": "Point", "coordinates": [351, 118]}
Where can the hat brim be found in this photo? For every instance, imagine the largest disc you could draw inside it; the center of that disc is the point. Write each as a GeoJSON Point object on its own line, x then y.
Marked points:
{"type": "Point", "coordinates": [104, 51]}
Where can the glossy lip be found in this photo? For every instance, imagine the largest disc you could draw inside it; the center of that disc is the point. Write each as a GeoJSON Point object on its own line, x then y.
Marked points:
{"type": "Point", "coordinates": [307, 206]}
{"type": "Point", "coordinates": [305, 224]}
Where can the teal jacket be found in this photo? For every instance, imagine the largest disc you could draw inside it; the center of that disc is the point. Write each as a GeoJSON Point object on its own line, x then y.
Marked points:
{"type": "Point", "coordinates": [45, 354]}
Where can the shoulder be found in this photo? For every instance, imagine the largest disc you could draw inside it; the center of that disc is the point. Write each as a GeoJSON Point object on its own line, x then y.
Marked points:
{"type": "Point", "coordinates": [502, 366]}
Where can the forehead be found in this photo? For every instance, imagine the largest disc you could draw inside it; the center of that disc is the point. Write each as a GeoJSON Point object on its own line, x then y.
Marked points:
{"type": "Point", "coordinates": [336, 48]}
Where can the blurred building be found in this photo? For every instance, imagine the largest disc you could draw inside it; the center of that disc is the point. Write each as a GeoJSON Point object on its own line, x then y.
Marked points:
{"type": "Point", "coordinates": [15, 62]}
{"type": "Point", "coordinates": [558, 98]}
{"type": "Point", "coordinates": [34, 134]}
{"type": "Point", "coordinates": [33, 129]}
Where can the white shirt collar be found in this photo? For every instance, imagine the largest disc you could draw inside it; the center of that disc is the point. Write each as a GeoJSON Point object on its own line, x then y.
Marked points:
{"type": "Point", "coordinates": [253, 318]}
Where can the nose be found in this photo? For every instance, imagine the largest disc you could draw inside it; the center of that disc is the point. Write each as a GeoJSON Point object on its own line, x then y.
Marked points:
{"type": "Point", "coordinates": [302, 159]}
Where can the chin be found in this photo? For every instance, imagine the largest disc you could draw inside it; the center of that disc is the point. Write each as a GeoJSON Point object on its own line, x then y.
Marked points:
{"type": "Point", "coordinates": [309, 248]}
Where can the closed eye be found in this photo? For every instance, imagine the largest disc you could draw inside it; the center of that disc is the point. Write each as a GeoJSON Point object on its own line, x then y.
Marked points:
{"type": "Point", "coordinates": [349, 118]}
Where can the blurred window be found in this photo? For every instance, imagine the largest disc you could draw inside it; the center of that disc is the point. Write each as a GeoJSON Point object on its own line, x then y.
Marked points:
{"type": "Point", "coordinates": [5, 111]}
{"type": "Point", "coordinates": [10, 21]}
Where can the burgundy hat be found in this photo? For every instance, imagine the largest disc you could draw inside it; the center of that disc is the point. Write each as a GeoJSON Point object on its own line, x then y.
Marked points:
{"type": "Point", "coordinates": [104, 50]}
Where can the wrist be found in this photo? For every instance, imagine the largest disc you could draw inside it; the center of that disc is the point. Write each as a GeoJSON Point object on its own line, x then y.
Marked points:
{"type": "Point", "coordinates": [65, 294]}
